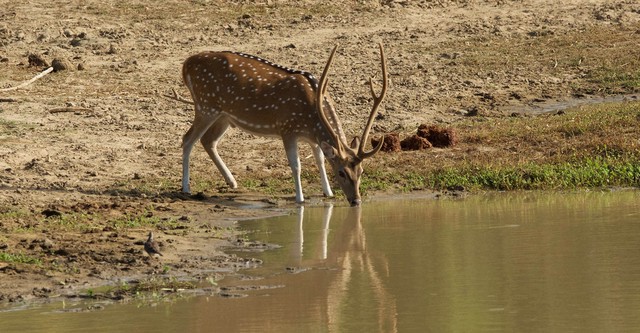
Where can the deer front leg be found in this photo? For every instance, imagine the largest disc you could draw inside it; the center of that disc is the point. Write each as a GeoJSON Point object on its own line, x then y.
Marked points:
{"type": "Point", "coordinates": [195, 132]}
{"type": "Point", "coordinates": [291, 147]}
{"type": "Point", "coordinates": [319, 156]}
{"type": "Point", "coordinates": [210, 141]}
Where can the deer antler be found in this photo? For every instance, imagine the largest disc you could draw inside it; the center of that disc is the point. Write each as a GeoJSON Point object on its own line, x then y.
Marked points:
{"type": "Point", "coordinates": [377, 99]}
{"type": "Point", "coordinates": [320, 93]}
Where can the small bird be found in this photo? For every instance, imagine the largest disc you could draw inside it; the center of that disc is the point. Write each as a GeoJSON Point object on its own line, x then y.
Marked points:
{"type": "Point", "coordinates": [151, 247]}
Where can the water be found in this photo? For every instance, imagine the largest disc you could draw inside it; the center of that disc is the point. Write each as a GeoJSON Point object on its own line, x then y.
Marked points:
{"type": "Point", "coordinates": [567, 262]}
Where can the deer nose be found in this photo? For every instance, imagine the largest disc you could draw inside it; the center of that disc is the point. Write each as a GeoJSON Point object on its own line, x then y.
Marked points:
{"type": "Point", "coordinates": [355, 202]}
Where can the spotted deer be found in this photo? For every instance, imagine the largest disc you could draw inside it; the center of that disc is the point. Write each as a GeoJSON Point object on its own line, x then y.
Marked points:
{"type": "Point", "coordinates": [266, 99]}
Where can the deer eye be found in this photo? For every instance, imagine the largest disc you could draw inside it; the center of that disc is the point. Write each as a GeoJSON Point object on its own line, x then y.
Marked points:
{"type": "Point", "coordinates": [342, 174]}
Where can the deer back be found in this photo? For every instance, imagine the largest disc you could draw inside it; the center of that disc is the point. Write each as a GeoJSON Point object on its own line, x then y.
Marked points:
{"type": "Point", "coordinates": [254, 94]}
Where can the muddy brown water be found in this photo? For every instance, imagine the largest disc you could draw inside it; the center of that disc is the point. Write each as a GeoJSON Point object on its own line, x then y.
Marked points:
{"type": "Point", "coordinates": [566, 262]}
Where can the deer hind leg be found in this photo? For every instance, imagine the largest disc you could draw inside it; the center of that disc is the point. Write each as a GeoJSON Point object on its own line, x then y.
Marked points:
{"type": "Point", "coordinates": [319, 157]}
{"type": "Point", "coordinates": [198, 128]}
{"type": "Point", "coordinates": [291, 147]}
{"type": "Point", "coordinates": [210, 141]}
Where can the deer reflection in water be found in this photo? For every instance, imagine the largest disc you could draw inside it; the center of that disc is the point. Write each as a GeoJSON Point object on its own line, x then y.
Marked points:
{"type": "Point", "coordinates": [357, 270]}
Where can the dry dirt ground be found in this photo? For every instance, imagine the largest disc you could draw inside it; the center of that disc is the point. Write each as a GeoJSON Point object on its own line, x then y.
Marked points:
{"type": "Point", "coordinates": [80, 188]}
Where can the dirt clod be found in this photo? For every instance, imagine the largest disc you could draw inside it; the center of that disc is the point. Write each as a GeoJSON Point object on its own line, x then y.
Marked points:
{"type": "Point", "coordinates": [60, 65]}
{"type": "Point", "coordinates": [51, 213]}
{"type": "Point", "coordinates": [37, 60]}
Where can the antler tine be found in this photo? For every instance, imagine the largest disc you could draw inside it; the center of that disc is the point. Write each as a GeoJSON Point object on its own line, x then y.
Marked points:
{"type": "Point", "coordinates": [320, 93]}
{"type": "Point", "coordinates": [377, 100]}
{"type": "Point", "coordinates": [323, 79]}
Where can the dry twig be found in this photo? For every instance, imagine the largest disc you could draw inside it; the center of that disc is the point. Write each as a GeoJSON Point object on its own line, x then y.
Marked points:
{"type": "Point", "coordinates": [24, 84]}
{"type": "Point", "coordinates": [177, 97]}
{"type": "Point", "coordinates": [68, 109]}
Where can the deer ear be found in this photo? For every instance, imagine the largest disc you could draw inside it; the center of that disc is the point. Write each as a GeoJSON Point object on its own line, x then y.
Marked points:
{"type": "Point", "coordinates": [355, 143]}
{"type": "Point", "coordinates": [328, 150]}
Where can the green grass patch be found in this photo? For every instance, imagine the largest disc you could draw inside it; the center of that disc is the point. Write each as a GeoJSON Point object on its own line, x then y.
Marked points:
{"type": "Point", "coordinates": [583, 172]}
{"type": "Point", "coordinates": [587, 147]}
{"type": "Point", "coordinates": [591, 172]}
{"type": "Point", "coordinates": [13, 214]}
{"type": "Point", "coordinates": [19, 258]}
{"type": "Point", "coordinates": [616, 79]}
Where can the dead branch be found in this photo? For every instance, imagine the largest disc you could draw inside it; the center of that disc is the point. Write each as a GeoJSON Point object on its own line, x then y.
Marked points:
{"type": "Point", "coordinates": [8, 100]}
{"type": "Point", "coordinates": [177, 97]}
{"type": "Point", "coordinates": [24, 84]}
{"type": "Point", "coordinates": [68, 109]}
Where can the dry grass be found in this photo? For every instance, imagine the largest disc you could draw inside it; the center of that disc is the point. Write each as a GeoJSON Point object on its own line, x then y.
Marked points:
{"type": "Point", "coordinates": [598, 60]}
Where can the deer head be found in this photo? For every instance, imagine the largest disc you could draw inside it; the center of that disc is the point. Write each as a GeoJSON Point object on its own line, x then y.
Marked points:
{"type": "Point", "coordinates": [346, 160]}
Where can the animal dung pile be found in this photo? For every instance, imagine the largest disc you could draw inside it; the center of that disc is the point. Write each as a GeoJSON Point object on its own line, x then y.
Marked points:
{"type": "Point", "coordinates": [391, 142]}
{"type": "Point", "coordinates": [438, 136]}
{"type": "Point", "coordinates": [427, 136]}
{"type": "Point", "coordinates": [415, 142]}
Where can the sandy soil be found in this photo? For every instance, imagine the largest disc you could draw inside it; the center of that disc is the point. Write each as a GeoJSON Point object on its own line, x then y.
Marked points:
{"type": "Point", "coordinates": [116, 153]}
